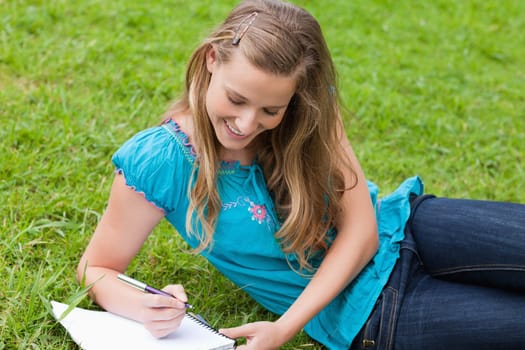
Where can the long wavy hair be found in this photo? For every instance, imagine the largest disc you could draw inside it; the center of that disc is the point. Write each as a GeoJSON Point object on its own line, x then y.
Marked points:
{"type": "Point", "coordinates": [302, 159]}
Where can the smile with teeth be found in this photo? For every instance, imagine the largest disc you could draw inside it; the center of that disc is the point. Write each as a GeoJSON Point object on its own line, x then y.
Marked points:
{"type": "Point", "coordinates": [233, 130]}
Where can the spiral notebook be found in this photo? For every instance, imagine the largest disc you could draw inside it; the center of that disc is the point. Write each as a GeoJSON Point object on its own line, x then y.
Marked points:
{"type": "Point", "coordinates": [103, 330]}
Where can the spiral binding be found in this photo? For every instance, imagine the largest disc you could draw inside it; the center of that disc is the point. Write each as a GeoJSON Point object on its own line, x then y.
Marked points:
{"type": "Point", "coordinates": [205, 324]}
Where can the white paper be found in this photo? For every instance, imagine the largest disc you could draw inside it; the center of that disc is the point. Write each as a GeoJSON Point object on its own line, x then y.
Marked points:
{"type": "Point", "coordinates": [99, 330]}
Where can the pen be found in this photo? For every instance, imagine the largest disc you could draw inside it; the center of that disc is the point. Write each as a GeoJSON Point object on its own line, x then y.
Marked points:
{"type": "Point", "coordinates": [145, 288]}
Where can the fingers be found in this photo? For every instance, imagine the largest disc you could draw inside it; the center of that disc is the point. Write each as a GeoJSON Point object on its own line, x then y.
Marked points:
{"type": "Point", "coordinates": [163, 314]}
{"type": "Point", "coordinates": [237, 332]}
{"type": "Point", "coordinates": [163, 328]}
{"type": "Point", "coordinates": [177, 291]}
{"type": "Point", "coordinates": [177, 299]}
{"type": "Point", "coordinates": [162, 321]}
{"type": "Point", "coordinates": [261, 335]}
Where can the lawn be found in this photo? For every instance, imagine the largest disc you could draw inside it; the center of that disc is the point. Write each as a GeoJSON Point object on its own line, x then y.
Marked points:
{"type": "Point", "coordinates": [434, 88]}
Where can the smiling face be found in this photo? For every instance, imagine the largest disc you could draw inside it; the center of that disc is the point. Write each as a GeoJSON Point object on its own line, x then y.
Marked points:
{"type": "Point", "coordinates": [243, 101]}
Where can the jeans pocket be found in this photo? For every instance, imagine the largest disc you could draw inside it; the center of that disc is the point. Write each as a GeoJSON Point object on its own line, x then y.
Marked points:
{"type": "Point", "coordinates": [378, 332]}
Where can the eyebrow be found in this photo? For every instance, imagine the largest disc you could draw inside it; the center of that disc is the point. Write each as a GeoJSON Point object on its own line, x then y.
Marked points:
{"type": "Point", "coordinates": [244, 99]}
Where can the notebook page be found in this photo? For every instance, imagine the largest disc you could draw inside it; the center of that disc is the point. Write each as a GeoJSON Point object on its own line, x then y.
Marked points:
{"type": "Point", "coordinates": [103, 330]}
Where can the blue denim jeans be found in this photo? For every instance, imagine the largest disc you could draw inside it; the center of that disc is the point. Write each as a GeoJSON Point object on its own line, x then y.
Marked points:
{"type": "Point", "coordinates": [459, 282]}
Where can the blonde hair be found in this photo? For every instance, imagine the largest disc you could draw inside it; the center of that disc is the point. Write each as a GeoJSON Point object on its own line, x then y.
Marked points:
{"type": "Point", "coordinates": [303, 157]}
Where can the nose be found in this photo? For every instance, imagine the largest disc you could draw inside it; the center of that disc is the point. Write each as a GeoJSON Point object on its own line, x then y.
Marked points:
{"type": "Point", "coordinates": [247, 121]}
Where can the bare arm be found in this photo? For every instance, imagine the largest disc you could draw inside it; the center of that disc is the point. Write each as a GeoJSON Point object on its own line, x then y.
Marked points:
{"type": "Point", "coordinates": [128, 220]}
{"type": "Point", "coordinates": [354, 246]}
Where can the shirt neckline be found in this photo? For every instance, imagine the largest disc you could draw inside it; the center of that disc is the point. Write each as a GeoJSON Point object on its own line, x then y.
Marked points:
{"type": "Point", "coordinates": [190, 153]}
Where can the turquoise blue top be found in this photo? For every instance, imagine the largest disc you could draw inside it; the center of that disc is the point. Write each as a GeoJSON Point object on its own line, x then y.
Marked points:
{"type": "Point", "coordinates": [158, 162]}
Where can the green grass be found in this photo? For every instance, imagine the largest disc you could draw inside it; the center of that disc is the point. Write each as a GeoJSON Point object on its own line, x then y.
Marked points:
{"type": "Point", "coordinates": [435, 88]}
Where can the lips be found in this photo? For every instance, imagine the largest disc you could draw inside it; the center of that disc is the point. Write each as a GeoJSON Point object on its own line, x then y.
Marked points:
{"type": "Point", "coordinates": [233, 130]}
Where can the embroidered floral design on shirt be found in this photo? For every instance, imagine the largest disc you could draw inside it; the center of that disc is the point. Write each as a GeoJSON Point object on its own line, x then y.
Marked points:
{"type": "Point", "coordinates": [258, 212]}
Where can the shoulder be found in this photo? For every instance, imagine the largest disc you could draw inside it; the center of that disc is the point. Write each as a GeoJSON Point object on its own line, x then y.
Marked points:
{"type": "Point", "coordinates": [157, 162]}
{"type": "Point", "coordinates": [154, 146]}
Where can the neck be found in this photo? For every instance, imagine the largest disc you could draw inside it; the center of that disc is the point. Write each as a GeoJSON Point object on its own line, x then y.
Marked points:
{"type": "Point", "coordinates": [244, 156]}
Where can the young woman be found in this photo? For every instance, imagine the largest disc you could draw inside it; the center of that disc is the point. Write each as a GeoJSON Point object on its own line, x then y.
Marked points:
{"type": "Point", "coordinates": [253, 169]}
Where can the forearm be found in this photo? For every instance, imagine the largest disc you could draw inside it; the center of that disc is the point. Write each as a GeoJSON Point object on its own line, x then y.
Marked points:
{"type": "Point", "coordinates": [111, 294]}
{"type": "Point", "coordinates": [126, 223]}
{"type": "Point", "coordinates": [160, 314]}
{"type": "Point", "coordinates": [332, 277]}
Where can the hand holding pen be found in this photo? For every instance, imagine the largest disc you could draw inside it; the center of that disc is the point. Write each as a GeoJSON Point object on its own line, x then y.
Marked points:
{"type": "Point", "coordinates": [159, 316]}
{"type": "Point", "coordinates": [147, 289]}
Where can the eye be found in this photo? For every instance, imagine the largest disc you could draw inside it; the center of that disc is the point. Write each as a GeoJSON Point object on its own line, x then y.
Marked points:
{"type": "Point", "coordinates": [234, 101]}
{"type": "Point", "coordinates": [271, 112]}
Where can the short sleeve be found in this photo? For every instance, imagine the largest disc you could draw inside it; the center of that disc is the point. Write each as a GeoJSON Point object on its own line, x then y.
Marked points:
{"type": "Point", "coordinates": [155, 164]}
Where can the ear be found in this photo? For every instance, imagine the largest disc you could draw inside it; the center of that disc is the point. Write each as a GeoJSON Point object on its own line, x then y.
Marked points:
{"type": "Point", "coordinates": [211, 59]}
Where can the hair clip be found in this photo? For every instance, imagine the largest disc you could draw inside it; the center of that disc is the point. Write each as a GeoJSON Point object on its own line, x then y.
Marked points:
{"type": "Point", "coordinates": [240, 31]}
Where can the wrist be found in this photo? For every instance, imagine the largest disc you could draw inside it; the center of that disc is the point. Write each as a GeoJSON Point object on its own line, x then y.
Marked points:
{"type": "Point", "coordinates": [286, 330]}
